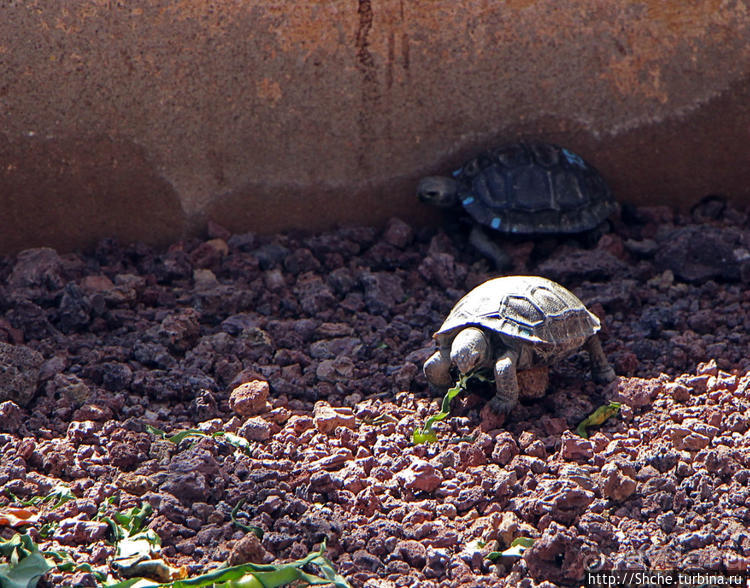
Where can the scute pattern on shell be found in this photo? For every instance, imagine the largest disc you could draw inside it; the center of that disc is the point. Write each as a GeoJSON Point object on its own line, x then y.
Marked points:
{"type": "Point", "coordinates": [524, 308]}
{"type": "Point", "coordinates": [534, 188]}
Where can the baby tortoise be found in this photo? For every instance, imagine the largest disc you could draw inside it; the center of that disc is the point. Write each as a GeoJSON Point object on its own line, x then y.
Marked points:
{"type": "Point", "coordinates": [525, 188]}
{"type": "Point", "coordinates": [514, 323]}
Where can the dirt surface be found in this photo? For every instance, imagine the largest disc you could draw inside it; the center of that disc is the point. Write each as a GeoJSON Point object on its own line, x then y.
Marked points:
{"type": "Point", "coordinates": [311, 347]}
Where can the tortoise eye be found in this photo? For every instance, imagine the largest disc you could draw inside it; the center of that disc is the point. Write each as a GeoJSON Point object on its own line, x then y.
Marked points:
{"type": "Point", "coordinates": [472, 168]}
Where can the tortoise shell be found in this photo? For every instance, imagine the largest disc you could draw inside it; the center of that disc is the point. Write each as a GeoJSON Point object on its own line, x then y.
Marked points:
{"type": "Point", "coordinates": [533, 188]}
{"type": "Point", "coordinates": [524, 309]}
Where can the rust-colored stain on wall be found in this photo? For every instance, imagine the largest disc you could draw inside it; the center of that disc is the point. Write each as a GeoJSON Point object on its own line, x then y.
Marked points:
{"type": "Point", "coordinates": [273, 114]}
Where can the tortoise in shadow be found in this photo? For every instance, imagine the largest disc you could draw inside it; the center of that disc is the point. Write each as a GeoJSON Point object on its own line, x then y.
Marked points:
{"type": "Point", "coordinates": [522, 188]}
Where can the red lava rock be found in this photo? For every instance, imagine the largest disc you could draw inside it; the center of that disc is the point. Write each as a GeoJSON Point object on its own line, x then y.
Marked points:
{"type": "Point", "coordinates": [19, 373]}
{"type": "Point", "coordinates": [470, 455]}
{"type": "Point", "coordinates": [568, 265]}
{"type": "Point", "coordinates": [326, 418]}
{"type": "Point", "coordinates": [180, 331]}
{"type": "Point", "coordinates": [615, 484]}
{"type": "Point", "coordinates": [700, 253]}
{"type": "Point", "coordinates": [413, 552]}
{"type": "Point", "coordinates": [442, 269]}
{"type": "Point", "coordinates": [562, 500]}
{"type": "Point", "coordinates": [698, 383]}
{"type": "Point", "coordinates": [97, 283]}
{"type": "Point", "coordinates": [685, 438]}
{"type": "Point", "coordinates": [313, 294]}
{"type": "Point", "coordinates": [11, 417]}
{"type": "Point", "coordinates": [250, 398]}
{"type": "Point", "coordinates": [299, 423]}
{"type": "Point", "coordinates": [209, 253]}
{"type": "Point", "coordinates": [301, 260]}
{"type": "Point", "coordinates": [679, 392]}
{"type": "Point", "coordinates": [93, 412]}
{"type": "Point", "coordinates": [333, 462]}
{"type": "Point", "coordinates": [256, 429]}
{"type": "Point", "coordinates": [340, 369]}
{"type": "Point", "coordinates": [79, 432]}
{"type": "Point", "coordinates": [249, 549]}
{"type": "Point", "coordinates": [9, 334]}
{"type": "Point", "coordinates": [420, 476]}
{"type": "Point", "coordinates": [79, 531]}
{"type": "Point", "coordinates": [556, 556]}
{"type": "Point", "coordinates": [708, 368]}
{"type": "Point", "coordinates": [533, 382]}
{"type": "Point", "coordinates": [41, 267]}
{"type": "Point", "coordinates": [194, 475]}
{"type": "Point", "coordinates": [491, 420]}
{"type": "Point", "coordinates": [636, 392]}
{"type": "Point", "coordinates": [398, 233]}
{"type": "Point", "coordinates": [382, 291]}
{"type": "Point", "coordinates": [367, 502]}
{"type": "Point", "coordinates": [576, 448]}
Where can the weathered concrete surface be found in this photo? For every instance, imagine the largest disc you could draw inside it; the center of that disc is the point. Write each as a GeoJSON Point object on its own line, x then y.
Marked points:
{"type": "Point", "coordinates": [143, 119]}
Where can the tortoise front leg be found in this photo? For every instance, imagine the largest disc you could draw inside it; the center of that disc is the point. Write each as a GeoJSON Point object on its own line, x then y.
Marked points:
{"type": "Point", "coordinates": [506, 383]}
{"type": "Point", "coordinates": [601, 371]}
{"type": "Point", "coordinates": [437, 369]}
{"type": "Point", "coordinates": [487, 247]}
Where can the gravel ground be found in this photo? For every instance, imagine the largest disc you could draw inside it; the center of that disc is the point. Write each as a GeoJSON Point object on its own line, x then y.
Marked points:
{"type": "Point", "coordinates": [310, 347]}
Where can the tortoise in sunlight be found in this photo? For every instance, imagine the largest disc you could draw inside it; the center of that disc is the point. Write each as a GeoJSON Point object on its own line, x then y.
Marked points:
{"type": "Point", "coordinates": [523, 188]}
{"type": "Point", "coordinates": [510, 324]}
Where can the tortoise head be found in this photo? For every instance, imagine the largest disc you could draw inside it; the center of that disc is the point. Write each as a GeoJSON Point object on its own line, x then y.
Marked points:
{"type": "Point", "coordinates": [439, 191]}
{"type": "Point", "coordinates": [470, 350]}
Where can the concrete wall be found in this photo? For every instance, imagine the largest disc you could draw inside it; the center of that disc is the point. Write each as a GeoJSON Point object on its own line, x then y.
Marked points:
{"type": "Point", "coordinates": [143, 119]}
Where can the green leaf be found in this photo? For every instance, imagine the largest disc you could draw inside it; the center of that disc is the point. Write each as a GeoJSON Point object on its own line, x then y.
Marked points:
{"type": "Point", "coordinates": [234, 440]}
{"type": "Point", "coordinates": [427, 434]}
{"type": "Point", "coordinates": [257, 531]}
{"type": "Point", "coordinates": [26, 573]}
{"type": "Point", "coordinates": [516, 549]}
{"type": "Point", "coordinates": [125, 524]}
{"type": "Point", "coordinates": [60, 494]}
{"type": "Point", "coordinates": [599, 416]}
{"type": "Point", "coordinates": [177, 437]}
{"type": "Point", "coordinates": [231, 438]}
{"type": "Point", "coordinates": [17, 547]}
{"type": "Point", "coordinates": [154, 431]}
{"type": "Point", "coordinates": [265, 576]}
{"type": "Point", "coordinates": [26, 565]}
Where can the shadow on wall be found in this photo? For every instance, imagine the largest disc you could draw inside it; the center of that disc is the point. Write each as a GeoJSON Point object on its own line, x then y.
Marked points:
{"type": "Point", "coordinates": [69, 193]}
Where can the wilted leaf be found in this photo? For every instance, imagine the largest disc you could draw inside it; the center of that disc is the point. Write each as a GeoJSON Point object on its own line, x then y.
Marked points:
{"type": "Point", "coordinates": [599, 416]}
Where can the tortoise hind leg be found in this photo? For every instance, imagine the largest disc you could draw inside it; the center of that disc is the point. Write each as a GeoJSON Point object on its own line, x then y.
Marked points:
{"type": "Point", "coordinates": [601, 371]}
{"type": "Point", "coordinates": [506, 383]}
{"type": "Point", "coordinates": [487, 247]}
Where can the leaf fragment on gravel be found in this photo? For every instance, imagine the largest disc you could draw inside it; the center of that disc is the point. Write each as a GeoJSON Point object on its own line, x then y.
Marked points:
{"type": "Point", "coordinates": [60, 494]}
{"type": "Point", "coordinates": [598, 417]}
{"type": "Point", "coordinates": [251, 575]}
{"type": "Point", "coordinates": [516, 549]}
{"type": "Point", "coordinates": [426, 434]}
{"type": "Point", "coordinates": [138, 552]}
{"type": "Point", "coordinates": [257, 531]}
{"type": "Point", "coordinates": [231, 438]}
